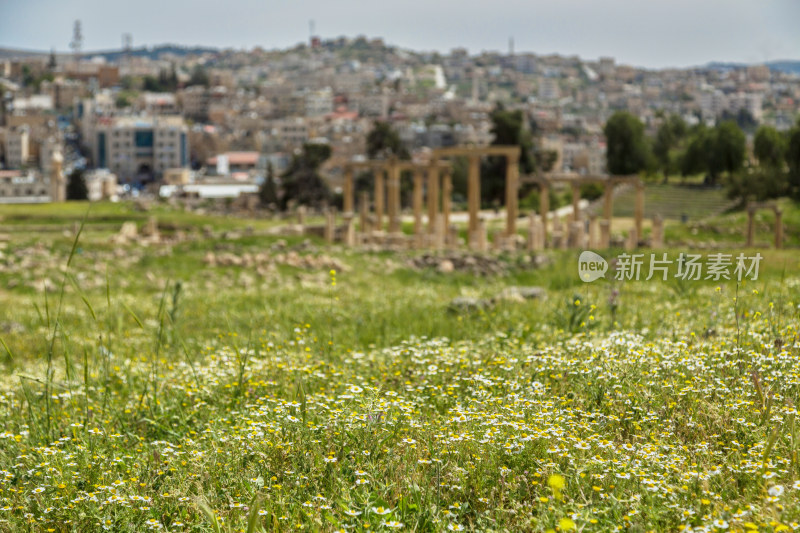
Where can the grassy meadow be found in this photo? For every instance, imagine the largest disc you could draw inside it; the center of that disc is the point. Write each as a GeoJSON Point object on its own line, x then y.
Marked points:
{"type": "Point", "coordinates": [246, 381]}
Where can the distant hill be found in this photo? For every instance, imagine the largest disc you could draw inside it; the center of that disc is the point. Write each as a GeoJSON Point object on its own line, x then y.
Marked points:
{"type": "Point", "coordinates": [358, 48]}
{"type": "Point", "coordinates": [787, 66]}
{"type": "Point", "coordinates": [791, 67]}
{"type": "Point", "coordinates": [114, 55]}
{"type": "Point", "coordinates": [154, 52]}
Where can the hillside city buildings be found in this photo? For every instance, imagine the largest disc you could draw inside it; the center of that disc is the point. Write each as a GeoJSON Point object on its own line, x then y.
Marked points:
{"type": "Point", "coordinates": [147, 115]}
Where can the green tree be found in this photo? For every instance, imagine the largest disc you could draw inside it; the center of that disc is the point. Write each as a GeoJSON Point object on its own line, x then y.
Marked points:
{"type": "Point", "coordinates": [507, 128]}
{"type": "Point", "coordinates": [268, 192]}
{"type": "Point", "coordinates": [695, 158]}
{"type": "Point", "coordinates": [627, 149]}
{"type": "Point", "coordinates": [716, 151]}
{"type": "Point", "coordinates": [302, 182]}
{"type": "Point", "coordinates": [152, 84]}
{"type": "Point", "coordinates": [670, 134]}
{"type": "Point", "coordinates": [545, 160]}
{"type": "Point", "coordinates": [793, 161]}
{"type": "Point", "coordinates": [769, 147]}
{"type": "Point", "coordinates": [199, 77]}
{"type": "Point", "coordinates": [76, 186]}
{"type": "Point", "coordinates": [769, 179]}
{"type": "Point", "coordinates": [123, 100]}
{"type": "Point", "coordinates": [363, 182]}
{"type": "Point", "coordinates": [27, 76]}
{"type": "Point", "coordinates": [760, 183]}
{"type": "Point", "coordinates": [743, 118]}
{"type": "Point", "coordinates": [173, 78]}
{"type": "Point", "coordinates": [728, 150]}
{"type": "Point", "coordinates": [128, 83]}
{"type": "Point", "coordinates": [383, 141]}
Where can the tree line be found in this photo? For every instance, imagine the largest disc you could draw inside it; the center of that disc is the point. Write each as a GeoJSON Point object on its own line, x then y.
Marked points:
{"type": "Point", "coordinates": [719, 153]}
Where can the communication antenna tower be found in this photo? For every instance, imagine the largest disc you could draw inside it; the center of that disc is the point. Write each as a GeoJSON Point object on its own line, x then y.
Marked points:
{"type": "Point", "coordinates": [77, 40]}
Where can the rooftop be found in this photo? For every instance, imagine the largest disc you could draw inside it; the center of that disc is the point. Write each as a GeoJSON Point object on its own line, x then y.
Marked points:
{"type": "Point", "coordinates": [237, 158]}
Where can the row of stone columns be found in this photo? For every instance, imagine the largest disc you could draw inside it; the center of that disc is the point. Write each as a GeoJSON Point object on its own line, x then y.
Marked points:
{"type": "Point", "coordinates": [439, 223]}
{"type": "Point", "coordinates": [387, 199]}
{"type": "Point", "coordinates": [608, 206]}
{"type": "Point", "coordinates": [579, 234]}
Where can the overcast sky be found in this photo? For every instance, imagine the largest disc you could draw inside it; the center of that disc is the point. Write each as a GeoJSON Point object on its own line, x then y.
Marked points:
{"type": "Point", "coordinates": [649, 33]}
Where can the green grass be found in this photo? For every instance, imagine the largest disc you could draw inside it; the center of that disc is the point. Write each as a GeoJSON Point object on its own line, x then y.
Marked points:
{"type": "Point", "coordinates": [160, 393]}
{"type": "Point", "coordinates": [731, 228]}
{"type": "Point", "coordinates": [674, 201]}
{"type": "Point", "coordinates": [14, 217]}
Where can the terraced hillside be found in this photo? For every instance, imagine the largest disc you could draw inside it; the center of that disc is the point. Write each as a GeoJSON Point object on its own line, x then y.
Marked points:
{"type": "Point", "coordinates": [674, 201]}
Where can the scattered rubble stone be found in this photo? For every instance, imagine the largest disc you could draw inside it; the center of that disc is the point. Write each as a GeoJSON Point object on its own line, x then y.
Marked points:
{"type": "Point", "coordinates": [461, 304]}
{"type": "Point", "coordinates": [477, 264]}
{"type": "Point", "coordinates": [509, 294]}
{"type": "Point", "coordinates": [265, 262]}
{"type": "Point", "coordinates": [522, 293]}
{"type": "Point", "coordinates": [446, 267]}
{"type": "Point", "coordinates": [11, 326]}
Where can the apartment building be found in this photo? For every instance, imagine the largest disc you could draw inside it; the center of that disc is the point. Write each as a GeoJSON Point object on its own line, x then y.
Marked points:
{"type": "Point", "coordinates": [140, 148]}
{"type": "Point", "coordinates": [318, 103]}
{"type": "Point", "coordinates": [29, 187]}
{"type": "Point", "coordinates": [17, 146]}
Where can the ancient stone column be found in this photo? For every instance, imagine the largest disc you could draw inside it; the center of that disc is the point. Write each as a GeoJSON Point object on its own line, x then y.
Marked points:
{"type": "Point", "coordinates": [557, 223]}
{"type": "Point", "coordinates": [608, 203]}
{"type": "Point", "coordinates": [347, 202]}
{"type": "Point", "coordinates": [498, 241]}
{"type": "Point", "coordinates": [576, 199]}
{"type": "Point", "coordinates": [109, 186]}
{"type": "Point", "coordinates": [379, 199]}
{"type": "Point", "coordinates": [512, 194]}
{"type": "Point", "coordinates": [452, 236]}
{"type": "Point", "coordinates": [363, 211]}
{"type": "Point", "coordinates": [439, 235]}
{"type": "Point", "coordinates": [473, 194]}
{"type": "Point", "coordinates": [330, 226]}
{"type": "Point", "coordinates": [605, 234]}
{"type": "Point", "coordinates": [58, 184]}
{"type": "Point", "coordinates": [576, 235]}
{"type": "Point", "coordinates": [349, 230]}
{"type": "Point", "coordinates": [535, 238]}
{"type": "Point", "coordinates": [150, 229]}
{"type": "Point", "coordinates": [417, 201]}
{"type": "Point", "coordinates": [433, 196]}
{"type": "Point", "coordinates": [558, 240]}
{"type": "Point", "coordinates": [633, 240]}
{"type": "Point", "coordinates": [657, 236]}
{"type": "Point", "coordinates": [544, 208]}
{"type": "Point", "coordinates": [301, 215]}
{"type": "Point", "coordinates": [594, 237]}
{"type": "Point", "coordinates": [778, 228]}
{"type": "Point", "coordinates": [639, 208]}
{"type": "Point", "coordinates": [483, 241]}
{"type": "Point", "coordinates": [530, 241]}
{"type": "Point", "coordinates": [394, 198]}
{"type": "Point", "coordinates": [447, 197]}
{"type": "Point", "coordinates": [751, 229]}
